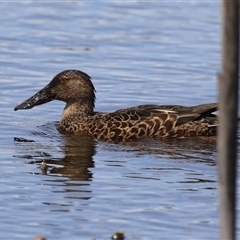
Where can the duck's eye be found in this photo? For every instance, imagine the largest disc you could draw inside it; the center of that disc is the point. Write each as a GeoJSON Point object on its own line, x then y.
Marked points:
{"type": "Point", "coordinates": [63, 79]}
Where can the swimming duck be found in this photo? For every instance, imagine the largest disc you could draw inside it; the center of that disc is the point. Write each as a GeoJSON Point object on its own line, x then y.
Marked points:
{"type": "Point", "coordinates": [75, 88]}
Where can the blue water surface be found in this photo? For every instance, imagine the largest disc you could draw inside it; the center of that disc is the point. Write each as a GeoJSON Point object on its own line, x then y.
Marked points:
{"type": "Point", "coordinates": [137, 52]}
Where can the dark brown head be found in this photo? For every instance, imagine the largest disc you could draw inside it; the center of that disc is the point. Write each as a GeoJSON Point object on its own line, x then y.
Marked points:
{"type": "Point", "coordinates": [69, 86]}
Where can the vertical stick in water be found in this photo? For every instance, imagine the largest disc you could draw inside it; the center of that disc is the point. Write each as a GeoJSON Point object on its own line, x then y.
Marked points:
{"type": "Point", "coordinates": [228, 108]}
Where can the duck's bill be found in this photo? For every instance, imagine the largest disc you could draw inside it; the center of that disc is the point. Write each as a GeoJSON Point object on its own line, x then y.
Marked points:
{"type": "Point", "coordinates": [41, 97]}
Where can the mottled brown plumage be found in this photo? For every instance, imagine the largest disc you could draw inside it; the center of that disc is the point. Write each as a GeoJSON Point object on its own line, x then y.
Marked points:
{"type": "Point", "coordinates": [76, 89]}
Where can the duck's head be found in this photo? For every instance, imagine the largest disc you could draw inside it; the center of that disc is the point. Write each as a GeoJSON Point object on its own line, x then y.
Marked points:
{"type": "Point", "coordinates": [69, 86]}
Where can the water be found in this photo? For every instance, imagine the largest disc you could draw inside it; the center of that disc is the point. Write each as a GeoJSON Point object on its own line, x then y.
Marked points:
{"type": "Point", "coordinates": [136, 52]}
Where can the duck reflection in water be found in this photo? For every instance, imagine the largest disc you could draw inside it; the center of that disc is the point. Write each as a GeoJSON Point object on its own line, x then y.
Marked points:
{"type": "Point", "coordinates": [78, 153]}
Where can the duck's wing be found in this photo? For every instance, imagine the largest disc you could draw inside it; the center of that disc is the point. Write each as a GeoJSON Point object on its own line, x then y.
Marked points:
{"type": "Point", "coordinates": [180, 114]}
{"type": "Point", "coordinates": [146, 120]}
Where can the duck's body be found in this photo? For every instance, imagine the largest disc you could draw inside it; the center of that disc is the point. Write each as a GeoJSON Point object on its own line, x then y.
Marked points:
{"type": "Point", "coordinates": [76, 89]}
{"type": "Point", "coordinates": [144, 121]}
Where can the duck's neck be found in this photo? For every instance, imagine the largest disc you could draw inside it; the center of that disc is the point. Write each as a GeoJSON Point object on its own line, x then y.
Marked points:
{"type": "Point", "coordinates": [76, 109]}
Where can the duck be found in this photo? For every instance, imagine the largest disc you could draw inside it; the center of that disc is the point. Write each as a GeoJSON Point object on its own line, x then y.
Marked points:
{"type": "Point", "coordinates": [76, 89]}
